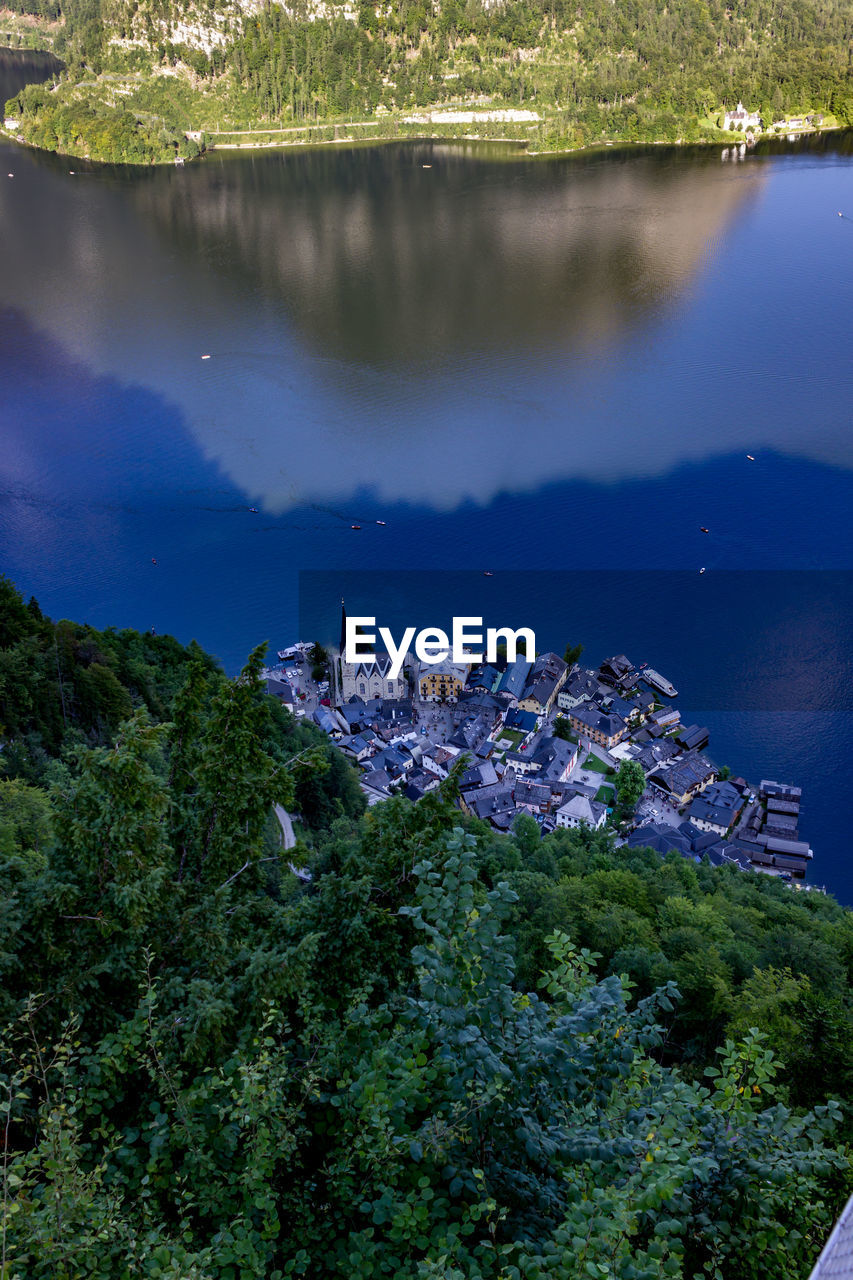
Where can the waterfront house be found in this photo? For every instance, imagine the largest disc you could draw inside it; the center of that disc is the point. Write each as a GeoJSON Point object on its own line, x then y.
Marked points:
{"type": "Point", "coordinates": [781, 824]}
{"type": "Point", "coordinates": [779, 791]}
{"type": "Point", "coordinates": [789, 807]}
{"type": "Point", "coordinates": [741, 119]}
{"type": "Point", "coordinates": [618, 672]}
{"type": "Point", "coordinates": [693, 738]}
{"type": "Point", "coordinates": [717, 808]}
{"type": "Point", "coordinates": [666, 718]}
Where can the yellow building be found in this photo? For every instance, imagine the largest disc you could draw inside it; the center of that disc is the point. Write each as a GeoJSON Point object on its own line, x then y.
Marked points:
{"type": "Point", "coordinates": [441, 681]}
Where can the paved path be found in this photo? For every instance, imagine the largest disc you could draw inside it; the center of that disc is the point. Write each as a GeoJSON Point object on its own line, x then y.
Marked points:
{"type": "Point", "coordinates": [288, 839]}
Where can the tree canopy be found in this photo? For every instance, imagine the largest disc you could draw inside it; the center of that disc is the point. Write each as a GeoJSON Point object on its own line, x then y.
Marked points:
{"type": "Point", "coordinates": [450, 1053]}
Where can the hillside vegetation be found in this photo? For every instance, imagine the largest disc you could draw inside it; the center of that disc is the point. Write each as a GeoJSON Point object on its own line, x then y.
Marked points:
{"type": "Point", "coordinates": [449, 1053]}
{"type": "Point", "coordinates": [589, 70]}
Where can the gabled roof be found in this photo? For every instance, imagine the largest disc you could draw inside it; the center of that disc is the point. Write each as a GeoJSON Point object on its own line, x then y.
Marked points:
{"type": "Point", "coordinates": [693, 736]}
{"type": "Point", "coordinates": [548, 670]}
{"type": "Point", "coordinates": [279, 689]}
{"type": "Point", "coordinates": [661, 838]}
{"type": "Point", "coordinates": [514, 678]}
{"type": "Point", "coordinates": [518, 719]}
{"type": "Point", "coordinates": [598, 721]}
{"type": "Point", "coordinates": [483, 677]}
{"type": "Point", "coordinates": [583, 683]}
{"type": "Point", "coordinates": [479, 775]}
{"type": "Point", "coordinates": [378, 779]}
{"type": "Point", "coordinates": [689, 772]}
{"type": "Point", "coordinates": [701, 811]}
{"type": "Point", "coordinates": [583, 810]}
{"type": "Point", "coordinates": [528, 792]}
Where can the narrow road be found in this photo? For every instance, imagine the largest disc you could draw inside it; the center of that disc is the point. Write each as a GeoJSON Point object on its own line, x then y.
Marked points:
{"type": "Point", "coordinates": [288, 839]}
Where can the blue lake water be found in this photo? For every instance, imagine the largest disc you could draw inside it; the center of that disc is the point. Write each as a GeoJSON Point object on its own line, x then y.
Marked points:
{"type": "Point", "coordinates": [549, 366]}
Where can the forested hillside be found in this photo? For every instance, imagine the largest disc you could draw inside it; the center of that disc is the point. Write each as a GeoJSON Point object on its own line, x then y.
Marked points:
{"type": "Point", "coordinates": [589, 69]}
{"type": "Point", "coordinates": [448, 1053]}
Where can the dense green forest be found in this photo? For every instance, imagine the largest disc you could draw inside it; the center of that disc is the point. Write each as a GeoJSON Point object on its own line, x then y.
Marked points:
{"type": "Point", "coordinates": [449, 1053]}
{"type": "Point", "coordinates": [591, 69]}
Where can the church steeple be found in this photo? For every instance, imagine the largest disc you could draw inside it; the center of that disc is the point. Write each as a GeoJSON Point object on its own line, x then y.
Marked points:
{"type": "Point", "coordinates": [343, 626]}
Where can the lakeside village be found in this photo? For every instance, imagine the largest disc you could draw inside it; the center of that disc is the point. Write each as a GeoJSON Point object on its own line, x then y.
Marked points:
{"type": "Point", "coordinates": [551, 739]}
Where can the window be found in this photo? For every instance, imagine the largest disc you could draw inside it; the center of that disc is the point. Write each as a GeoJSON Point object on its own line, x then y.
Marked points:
{"type": "Point", "coordinates": [362, 688]}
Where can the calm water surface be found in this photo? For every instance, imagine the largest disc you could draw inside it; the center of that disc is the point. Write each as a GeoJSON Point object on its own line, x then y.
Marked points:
{"type": "Point", "coordinates": [552, 365]}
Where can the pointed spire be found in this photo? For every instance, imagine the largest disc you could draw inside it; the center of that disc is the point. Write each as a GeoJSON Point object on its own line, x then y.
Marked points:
{"type": "Point", "coordinates": [343, 626]}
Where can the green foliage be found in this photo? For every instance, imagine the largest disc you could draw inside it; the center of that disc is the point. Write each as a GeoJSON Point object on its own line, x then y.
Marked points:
{"type": "Point", "coordinates": [652, 70]}
{"type": "Point", "coordinates": [451, 1126]}
{"type": "Point", "coordinates": [452, 1054]}
{"type": "Point", "coordinates": [630, 784]}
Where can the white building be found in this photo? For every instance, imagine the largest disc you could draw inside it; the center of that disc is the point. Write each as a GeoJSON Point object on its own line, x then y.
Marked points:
{"type": "Point", "coordinates": [580, 811]}
{"type": "Point", "coordinates": [372, 680]}
{"type": "Point", "coordinates": [741, 119]}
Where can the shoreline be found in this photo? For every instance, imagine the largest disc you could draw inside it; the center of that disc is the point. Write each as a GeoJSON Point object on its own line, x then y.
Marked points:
{"type": "Point", "coordinates": [520, 145]}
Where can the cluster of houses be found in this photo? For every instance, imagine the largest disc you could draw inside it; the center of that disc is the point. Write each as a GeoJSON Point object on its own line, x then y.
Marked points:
{"type": "Point", "coordinates": [406, 731]}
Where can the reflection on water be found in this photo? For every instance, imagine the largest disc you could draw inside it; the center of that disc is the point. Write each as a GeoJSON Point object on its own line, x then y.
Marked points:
{"type": "Point", "coordinates": [19, 67]}
{"type": "Point", "coordinates": [442, 334]}
{"type": "Point", "coordinates": [378, 259]}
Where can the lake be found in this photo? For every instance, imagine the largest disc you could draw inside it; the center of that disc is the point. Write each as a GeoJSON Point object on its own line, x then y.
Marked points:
{"type": "Point", "coordinates": [551, 369]}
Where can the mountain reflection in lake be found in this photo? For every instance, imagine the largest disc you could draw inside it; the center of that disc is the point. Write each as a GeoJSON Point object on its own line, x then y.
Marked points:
{"type": "Point", "coordinates": [376, 259]}
{"type": "Point", "coordinates": [354, 302]}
